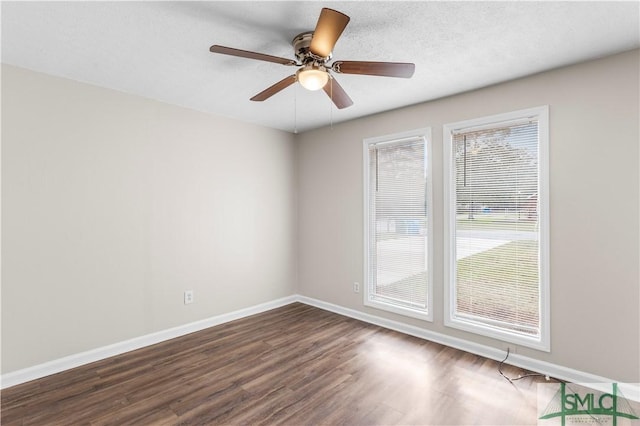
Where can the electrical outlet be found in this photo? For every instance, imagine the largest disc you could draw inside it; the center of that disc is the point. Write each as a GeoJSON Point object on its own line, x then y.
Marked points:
{"type": "Point", "coordinates": [188, 297]}
{"type": "Point", "coordinates": [356, 287]}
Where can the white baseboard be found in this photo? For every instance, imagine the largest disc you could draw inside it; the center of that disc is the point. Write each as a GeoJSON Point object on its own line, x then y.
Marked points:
{"type": "Point", "coordinates": [630, 391]}
{"type": "Point", "coordinates": [46, 369]}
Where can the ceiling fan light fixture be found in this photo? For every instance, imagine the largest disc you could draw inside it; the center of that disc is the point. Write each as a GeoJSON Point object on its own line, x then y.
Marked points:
{"type": "Point", "coordinates": [312, 77]}
{"type": "Point", "coordinates": [313, 49]}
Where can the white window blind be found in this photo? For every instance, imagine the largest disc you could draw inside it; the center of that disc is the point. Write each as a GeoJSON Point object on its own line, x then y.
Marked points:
{"type": "Point", "coordinates": [397, 208]}
{"type": "Point", "coordinates": [495, 255]}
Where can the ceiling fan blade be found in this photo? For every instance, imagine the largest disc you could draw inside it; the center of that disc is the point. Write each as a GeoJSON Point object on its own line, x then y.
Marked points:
{"type": "Point", "coordinates": [337, 94]}
{"type": "Point", "coordinates": [250, 55]}
{"type": "Point", "coordinates": [330, 25]}
{"type": "Point", "coordinates": [272, 90]}
{"type": "Point", "coordinates": [385, 69]}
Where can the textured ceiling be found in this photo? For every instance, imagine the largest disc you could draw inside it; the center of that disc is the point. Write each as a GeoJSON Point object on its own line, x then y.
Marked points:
{"type": "Point", "coordinates": [160, 50]}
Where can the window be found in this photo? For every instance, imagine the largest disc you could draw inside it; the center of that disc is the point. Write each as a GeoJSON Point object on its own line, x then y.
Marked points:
{"type": "Point", "coordinates": [398, 223]}
{"type": "Point", "coordinates": [496, 227]}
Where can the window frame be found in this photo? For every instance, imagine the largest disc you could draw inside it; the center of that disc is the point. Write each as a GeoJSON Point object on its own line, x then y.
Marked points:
{"type": "Point", "coordinates": [541, 113]}
{"type": "Point", "coordinates": [398, 138]}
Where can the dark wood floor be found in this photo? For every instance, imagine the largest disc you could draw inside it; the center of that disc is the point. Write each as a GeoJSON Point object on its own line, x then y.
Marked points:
{"type": "Point", "coordinates": [293, 365]}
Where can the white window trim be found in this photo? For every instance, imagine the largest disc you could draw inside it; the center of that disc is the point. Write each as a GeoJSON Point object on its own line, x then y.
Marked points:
{"type": "Point", "coordinates": [425, 134]}
{"type": "Point", "coordinates": [542, 114]}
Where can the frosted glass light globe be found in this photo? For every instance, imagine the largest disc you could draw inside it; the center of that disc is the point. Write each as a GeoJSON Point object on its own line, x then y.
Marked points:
{"type": "Point", "coordinates": [313, 77]}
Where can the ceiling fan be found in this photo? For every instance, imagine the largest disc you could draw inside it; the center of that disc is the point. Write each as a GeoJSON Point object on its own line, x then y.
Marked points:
{"type": "Point", "coordinates": [313, 50]}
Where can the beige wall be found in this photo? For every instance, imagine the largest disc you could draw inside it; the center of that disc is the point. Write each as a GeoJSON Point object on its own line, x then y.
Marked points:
{"type": "Point", "coordinates": [113, 205]}
{"type": "Point", "coordinates": [594, 189]}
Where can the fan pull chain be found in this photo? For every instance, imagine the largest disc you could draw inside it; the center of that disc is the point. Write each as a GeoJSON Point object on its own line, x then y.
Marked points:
{"type": "Point", "coordinates": [331, 103]}
{"type": "Point", "coordinates": [295, 109]}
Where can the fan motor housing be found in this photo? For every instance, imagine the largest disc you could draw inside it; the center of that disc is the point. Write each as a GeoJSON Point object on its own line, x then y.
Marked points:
{"type": "Point", "coordinates": [301, 44]}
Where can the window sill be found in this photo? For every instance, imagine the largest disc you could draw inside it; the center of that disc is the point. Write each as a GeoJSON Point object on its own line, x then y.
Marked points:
{"type": "Point", "coordinates": [538, 343]}
{"type": "Point", "coordinates": [400, 310]}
